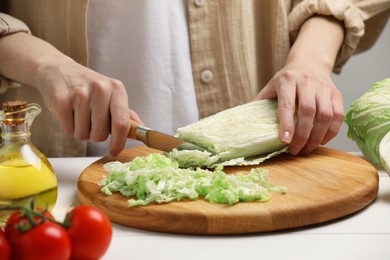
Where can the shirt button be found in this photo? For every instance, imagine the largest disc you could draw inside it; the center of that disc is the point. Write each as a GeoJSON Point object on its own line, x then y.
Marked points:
{"type": "Point", "coordinates": [206, 76]}
{"type": "Point", "coordinates": [200, 3]}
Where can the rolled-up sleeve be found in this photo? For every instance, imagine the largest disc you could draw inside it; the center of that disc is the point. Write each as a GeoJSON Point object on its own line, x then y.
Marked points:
{"type": "Point", "coordinates": [363, 22]}
{"type": "Point", "coordinates": [8, 25]}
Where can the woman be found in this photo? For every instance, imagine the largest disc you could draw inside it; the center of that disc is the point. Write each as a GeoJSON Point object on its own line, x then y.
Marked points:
{"type": "Point", "coordinates": [177, 61]}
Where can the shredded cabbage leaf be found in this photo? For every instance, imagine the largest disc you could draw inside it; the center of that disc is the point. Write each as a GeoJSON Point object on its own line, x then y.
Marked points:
{"type": "Point", "coordinates": [157, 178]}
{"type": "Point", "coordinates": [205, 159]}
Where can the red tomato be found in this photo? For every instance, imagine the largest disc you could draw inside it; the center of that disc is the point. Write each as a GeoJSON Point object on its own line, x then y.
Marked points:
{"type": "Point", "coordinates": [4, 246]}
{"type": "Point", "coordinates": [47, 240]}
{"type": "Point", "coordinates": [90, 232]}
{"type": "Point", "coordinates": [16, 218]}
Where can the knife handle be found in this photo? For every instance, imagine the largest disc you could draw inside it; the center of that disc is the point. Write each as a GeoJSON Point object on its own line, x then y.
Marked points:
{"type": "Point", "coordinates": [133, 130]}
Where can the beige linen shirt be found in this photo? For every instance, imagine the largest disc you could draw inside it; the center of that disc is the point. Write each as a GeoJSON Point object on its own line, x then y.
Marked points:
{"type": "Point", "coordinates": [236, 46]}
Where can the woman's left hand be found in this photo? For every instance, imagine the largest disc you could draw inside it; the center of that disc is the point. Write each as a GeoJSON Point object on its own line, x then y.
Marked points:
{"type": "Point", "coordinates": [311, 109]}
{"type": "Point", "coordinates": [310, 106]}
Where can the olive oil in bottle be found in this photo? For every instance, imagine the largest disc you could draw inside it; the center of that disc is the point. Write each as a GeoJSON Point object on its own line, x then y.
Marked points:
{"type": "Point", "coordinates": [25, 173]}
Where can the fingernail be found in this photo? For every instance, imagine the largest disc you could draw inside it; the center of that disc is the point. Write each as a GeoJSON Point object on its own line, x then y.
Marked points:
{"type": "Point", "coordinates": [286, 137]}
{"type": "Point", "coordinates": [292, 151]}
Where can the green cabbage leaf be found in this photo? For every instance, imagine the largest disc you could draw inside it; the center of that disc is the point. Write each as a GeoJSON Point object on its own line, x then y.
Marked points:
{"type": "Point", "coordinates": [368, 120]}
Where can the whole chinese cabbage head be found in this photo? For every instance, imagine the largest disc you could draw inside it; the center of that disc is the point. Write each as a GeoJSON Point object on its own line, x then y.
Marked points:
{"type": "Point", "coordinates": [368, 120]}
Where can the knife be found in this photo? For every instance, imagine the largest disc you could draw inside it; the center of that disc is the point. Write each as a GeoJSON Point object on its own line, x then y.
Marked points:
{"type": "Point", "coordinates": [158, 140]}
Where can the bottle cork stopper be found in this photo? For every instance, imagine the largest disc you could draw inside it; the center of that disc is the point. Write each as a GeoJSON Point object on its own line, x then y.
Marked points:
{"type": "Point", "coordinates": [10, 107]}
{"type": "Point", "coordinates": [13, 106]}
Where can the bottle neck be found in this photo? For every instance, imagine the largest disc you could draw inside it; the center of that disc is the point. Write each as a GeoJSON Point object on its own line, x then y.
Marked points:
{"type": "Point", "coordinates": [15, 133]}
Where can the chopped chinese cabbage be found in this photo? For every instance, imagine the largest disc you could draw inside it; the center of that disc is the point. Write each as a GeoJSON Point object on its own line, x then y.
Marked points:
{"type": "Point", "coordinates": [156, 178]}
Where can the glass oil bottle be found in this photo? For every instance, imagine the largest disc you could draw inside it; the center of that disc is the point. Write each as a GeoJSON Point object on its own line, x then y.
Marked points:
{"type": "Point", "coordinates": [25, 173]}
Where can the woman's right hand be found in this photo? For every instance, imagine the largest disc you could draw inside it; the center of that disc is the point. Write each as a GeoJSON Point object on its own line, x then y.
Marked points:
{"type": "Point", "coordinates": [87, 104]}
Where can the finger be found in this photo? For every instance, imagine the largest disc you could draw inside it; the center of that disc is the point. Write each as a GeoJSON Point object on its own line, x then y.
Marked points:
{"type": "Point", "coordinates": [268, 92]}
{"type": "Point", "coordinates": [120, 121]}
{"type": "Point", "coordinates": [65, 114]}
{"type": "Point", "coordinates": [61, 106]}
{"type": "Point", "coordinates": [286, 110]}
{"type": "Point", "coordinates": [305, 116]}
{"type": "Point", "coordinates": [100, 116]}
{"type": "Point", "coordinates": [322, 120]}
{"type": "Point", "coordinates": [82, 114]}
{"type": "Point", "coordinates": [134, 116]}
{"type": "Point", "coordinates": [66, 120]}
{"type": "Point", "coordinates": [338, 117]}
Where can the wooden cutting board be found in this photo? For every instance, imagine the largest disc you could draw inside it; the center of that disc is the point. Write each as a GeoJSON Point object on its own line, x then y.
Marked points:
{"type": "Point", "coordinates": [325, 185]}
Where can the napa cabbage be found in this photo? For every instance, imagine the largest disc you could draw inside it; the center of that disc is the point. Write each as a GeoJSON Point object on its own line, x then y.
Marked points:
{"type": "Point", "coordinates": [243, 135]}
{"type": "Point", "coordinates": [368, 120]}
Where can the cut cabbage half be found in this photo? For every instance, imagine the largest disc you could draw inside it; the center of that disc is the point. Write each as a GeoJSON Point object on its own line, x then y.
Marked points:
{"type": "Point", "coordinates": [247, 130]}
{"type": "Point", "coordinates": [384, 152]}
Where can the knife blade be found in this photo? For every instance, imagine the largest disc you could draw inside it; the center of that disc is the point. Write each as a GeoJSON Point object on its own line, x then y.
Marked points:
{"type": "Point", "coordinates": [158, 140]}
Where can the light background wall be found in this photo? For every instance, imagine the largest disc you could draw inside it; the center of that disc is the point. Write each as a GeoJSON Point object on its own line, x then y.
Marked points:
{"type": "Point", "coordinates": [358, 75]}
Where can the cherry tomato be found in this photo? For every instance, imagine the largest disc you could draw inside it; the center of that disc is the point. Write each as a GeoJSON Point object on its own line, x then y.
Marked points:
{"type": "Point", "coordinates": [47, 240]}
{"type": "Point", "coordinates": [90, 232]}
{"type": "Point", "coordinates": [17, 218]}
{"type": "Point", "coordinates": [4, 246]}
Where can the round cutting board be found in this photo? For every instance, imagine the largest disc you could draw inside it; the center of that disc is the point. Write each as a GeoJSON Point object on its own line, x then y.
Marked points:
{"type": "Point", "coordinates": [322, 186]}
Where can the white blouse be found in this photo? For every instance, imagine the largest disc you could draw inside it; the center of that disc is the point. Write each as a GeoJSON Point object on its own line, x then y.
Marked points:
{"type": "Point", "coordinates": [145, 44]}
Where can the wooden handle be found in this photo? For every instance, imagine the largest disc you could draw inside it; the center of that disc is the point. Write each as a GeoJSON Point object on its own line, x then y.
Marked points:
{"type": "Point", "coordinates": [133, 130]}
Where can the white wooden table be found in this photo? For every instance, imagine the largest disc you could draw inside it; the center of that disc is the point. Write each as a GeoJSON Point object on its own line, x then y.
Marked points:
{"type": "Point", "coordinates": [364, 235]}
